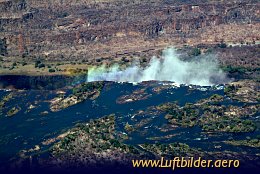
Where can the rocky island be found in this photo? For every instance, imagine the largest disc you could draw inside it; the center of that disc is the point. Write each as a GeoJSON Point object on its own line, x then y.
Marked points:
{"type": "Point", "coordinates": [79, 93]}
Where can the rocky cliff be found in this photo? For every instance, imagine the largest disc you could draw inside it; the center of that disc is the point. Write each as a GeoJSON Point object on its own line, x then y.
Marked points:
{"type": "Point", "coordinates": [88, 29]}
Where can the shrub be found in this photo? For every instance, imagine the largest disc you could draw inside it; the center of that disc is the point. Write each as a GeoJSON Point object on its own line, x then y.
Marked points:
{"type": "Point", "coordinates": [232, 69]}
{"type": "Point", "coordinates": [229, 89]}
{"type": "Point", "coordinates": [222, 45]}
{"type": "Point", "coordinates": [62, 15]}
{"type": "Point", "coordinates": [254, 141]}
{"type": "Point", "coordinates": [3, 47]}
{"type": "Point", "coordinates": [37, 62]}
{"type": "Point", "coordinates": [24, 63]}
{"type": "Point", "coordinates": [41, 65]}
{"type": "Point", "coordinates": [98, 60]}
{"type": "Point", "coordinates": [195, 52]}
{"type": "Point", "coordinates": [51, 70]}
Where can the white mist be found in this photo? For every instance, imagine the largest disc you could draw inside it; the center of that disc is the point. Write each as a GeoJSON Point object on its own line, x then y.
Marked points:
{"type": "Point", "coordinates": [204, 71]}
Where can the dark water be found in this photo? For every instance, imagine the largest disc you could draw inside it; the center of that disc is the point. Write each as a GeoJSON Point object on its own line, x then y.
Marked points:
{"type": "Point", "coordinates": [25, 130]}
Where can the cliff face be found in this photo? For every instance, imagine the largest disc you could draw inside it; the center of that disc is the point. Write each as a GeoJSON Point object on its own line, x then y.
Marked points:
{"type": "Point", "coordinates": [87, 29]}
{"type": "Point", "coordinates": [39, 82]}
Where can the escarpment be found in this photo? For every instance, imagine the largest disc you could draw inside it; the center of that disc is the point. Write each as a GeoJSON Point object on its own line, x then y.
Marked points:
{"type": "Point", "coordinates": [77, 30]}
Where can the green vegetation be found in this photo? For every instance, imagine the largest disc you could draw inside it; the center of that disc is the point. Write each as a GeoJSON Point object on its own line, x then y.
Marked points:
{"type": "Point", "coordinates": [195, 52]}
{"type": "Point", "coordinates": [92, 141]}
{"type": "Point", "coordinates": [186, 116]}
{"type": "Point", "coordinates": [173, 149]}
{"type": "Point", "coordinates": [232, 69]}
{"type": "Point", "coordinates": [5, 99]}
{"type": "Point", "coordinates": [229, 88]}
{"type": "Point", "coordinates": [14, 64]}
{"type": "Point", "coordinates": [248, 142]}
{"type": "Point", "coordinates": [3, 47]}
{"type": "Point", "coordinates": [24, 63]}
{"type": "Point", "coordinates": [222, 45]}
{"type": "Point", "coordinates": [62, 14]}
{"type": "Point", "coordinates": [244, 91]}
{"type": "Point", "coordinates": [96, 140]}
{"type": "Point", "coordinates": [129, 128]}
{"type": "Point", "coordinates": [99, 129]}
{"type": "Point", "coordinates": [13, 111]}
{"type": "Point", "coordinates": [230, 125]}
{"type": "Point", "coordinates": [216, 97]}
{"type": "Point", "coordinates": [51, 70]}
{"type": "Point", "coordinates": [86, 87]}
{"type": "Point", "coordinates": [210, 115]}
{"type": "Point", "coordinates": [39, 64]}
{"type": "Point", "coordinates": [239, 69]}
{"type": "Point", "coordinates": [79, 93]}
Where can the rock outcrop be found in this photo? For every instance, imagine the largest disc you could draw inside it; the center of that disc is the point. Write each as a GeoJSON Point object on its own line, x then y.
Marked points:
{"type": "Point", "coordinates": [90, 29]}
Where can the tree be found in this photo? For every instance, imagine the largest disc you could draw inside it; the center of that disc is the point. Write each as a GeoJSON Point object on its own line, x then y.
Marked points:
{"type": "Point", "coordinates": [51, 70]}
{"type": "Point", "coordinates": [222, 45]}
{"type": "Point", "coordinates": [195, 52]}
{"type": "Point", "coordinates": [39, 64]}
{"type": "Point", "coordinates": [3, 47]}
{"type": "Point", "coordinates": [24, 63]}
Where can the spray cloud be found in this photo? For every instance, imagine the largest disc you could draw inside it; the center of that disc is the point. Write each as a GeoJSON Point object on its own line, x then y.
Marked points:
{"type": "Point", "coordinates": [204, 71]}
